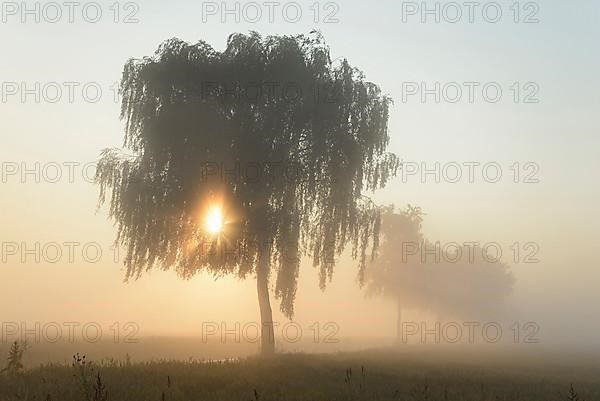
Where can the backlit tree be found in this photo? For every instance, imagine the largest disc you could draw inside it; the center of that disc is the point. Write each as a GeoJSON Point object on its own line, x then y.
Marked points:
{"type": "Point", "coordinates": [268, 135]}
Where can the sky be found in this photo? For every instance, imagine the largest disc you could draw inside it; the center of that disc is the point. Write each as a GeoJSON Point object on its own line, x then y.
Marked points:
{"type": "Point", "coordinates": [551, 131]}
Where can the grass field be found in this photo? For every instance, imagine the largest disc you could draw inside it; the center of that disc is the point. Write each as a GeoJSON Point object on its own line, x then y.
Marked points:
{"type": "Point", "coordinates": [383, 374]}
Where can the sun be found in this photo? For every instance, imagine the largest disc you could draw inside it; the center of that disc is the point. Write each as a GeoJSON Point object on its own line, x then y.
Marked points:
{"type": "Point", "coordinates": [214, 220]}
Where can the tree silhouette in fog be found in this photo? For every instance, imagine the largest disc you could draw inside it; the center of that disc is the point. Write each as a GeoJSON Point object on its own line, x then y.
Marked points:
{"type": "Point", "coordinates": [461, 281]}
{"type": "Point", "coordinates": [285, 141]}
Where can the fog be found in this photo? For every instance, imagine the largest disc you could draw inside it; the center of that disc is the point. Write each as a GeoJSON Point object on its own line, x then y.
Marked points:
{"type": "Point", "coordinates": [518, 179]}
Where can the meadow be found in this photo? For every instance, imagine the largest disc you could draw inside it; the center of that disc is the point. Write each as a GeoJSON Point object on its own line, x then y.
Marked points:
{"type": "Point", "coordinates": [411, 374]}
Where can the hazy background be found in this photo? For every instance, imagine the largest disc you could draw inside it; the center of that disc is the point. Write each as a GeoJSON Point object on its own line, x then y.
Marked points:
{"type": "Point", "coordinates": [560, 134]}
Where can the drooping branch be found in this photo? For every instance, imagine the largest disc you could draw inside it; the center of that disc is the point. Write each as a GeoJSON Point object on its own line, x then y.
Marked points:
{"type": "Point", "coordinates": [180, 116]}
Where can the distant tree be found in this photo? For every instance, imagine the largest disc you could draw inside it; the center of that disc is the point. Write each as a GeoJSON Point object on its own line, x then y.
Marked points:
{"type": "Point", "coordinates": [417, 274]}
{"type": "Point", "coordinates": [191, 110]}
{"type": "Point", "coordinates": [384, 274]}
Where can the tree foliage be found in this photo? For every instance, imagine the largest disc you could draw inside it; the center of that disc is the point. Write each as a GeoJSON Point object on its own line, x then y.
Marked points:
{"type": "Point", "coordinates": [181, 117]}
{"type": "Point", "coordinates": [462, 281]}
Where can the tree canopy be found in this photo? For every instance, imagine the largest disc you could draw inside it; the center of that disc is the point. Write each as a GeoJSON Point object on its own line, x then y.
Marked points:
{"type": "Point", "coordinates": [463, 281]}
{"type": "Point", "coordinates": [266, 102]}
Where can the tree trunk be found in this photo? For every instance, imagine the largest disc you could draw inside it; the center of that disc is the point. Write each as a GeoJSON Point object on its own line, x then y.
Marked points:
{"type": "Point", "coordinates": [399, 323]}
{"type": "Point", "coordinates": [267, 334]}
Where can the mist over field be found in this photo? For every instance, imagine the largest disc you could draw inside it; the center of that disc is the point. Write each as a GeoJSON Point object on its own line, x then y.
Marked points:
{"type": "Point", "coordinates": [299, 201]}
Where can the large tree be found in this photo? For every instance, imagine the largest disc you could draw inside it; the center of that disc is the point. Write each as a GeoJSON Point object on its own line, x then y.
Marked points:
{"type": "Point", "coordinates": [461, 281]}
{"type": "Point", "coordinates": [270, 131]}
